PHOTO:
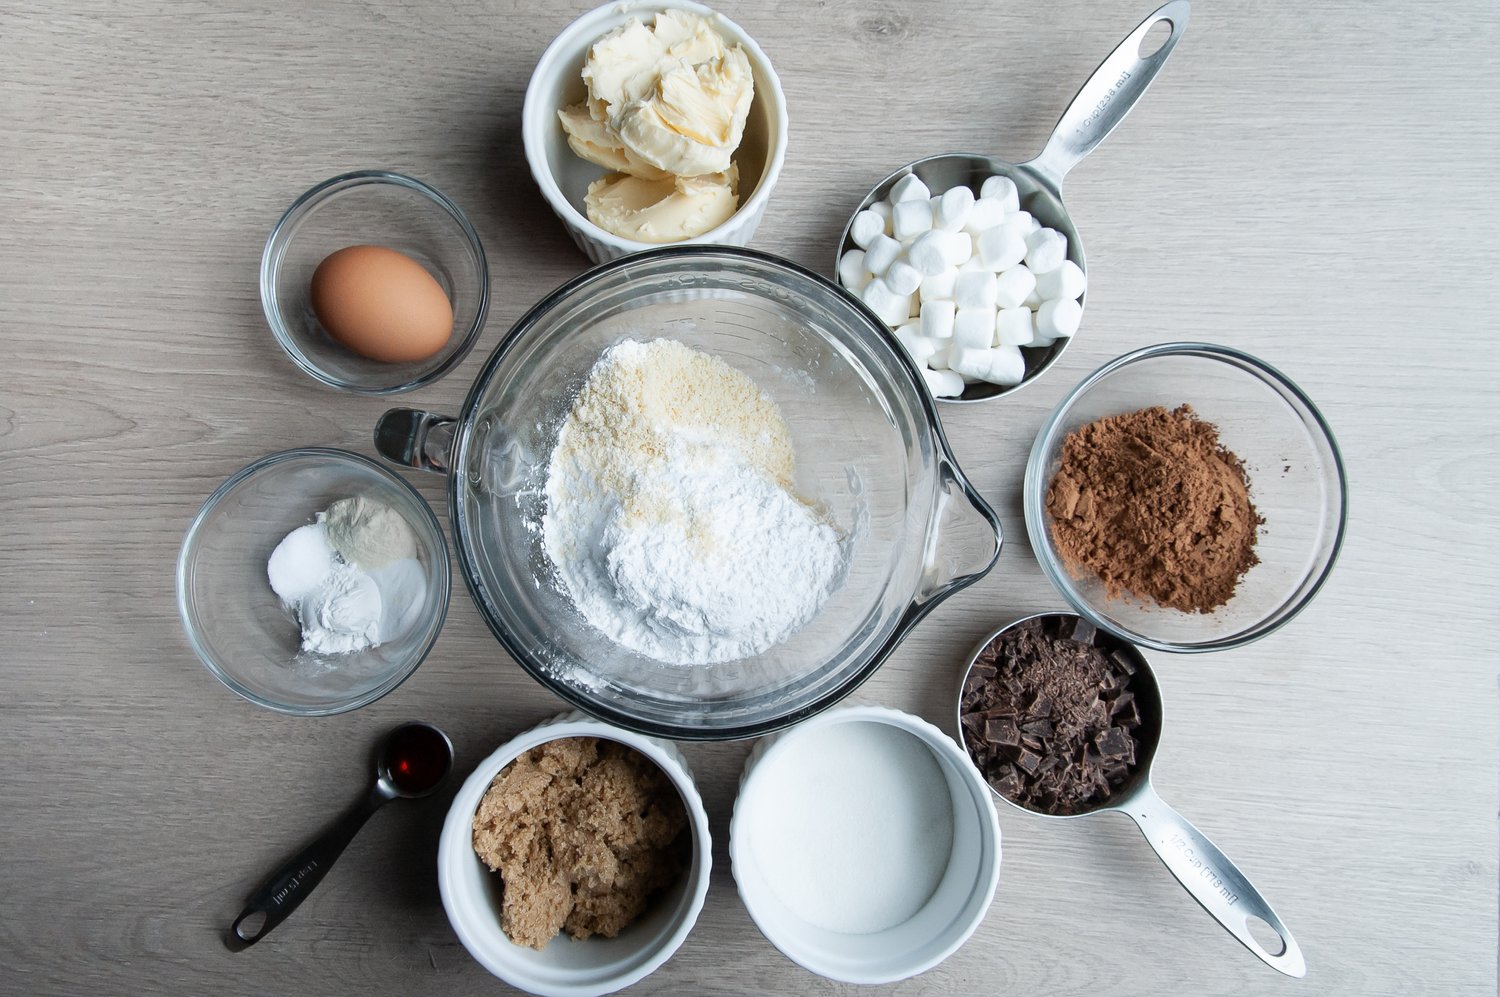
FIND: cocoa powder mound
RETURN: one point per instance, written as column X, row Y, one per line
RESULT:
column 1153, row 504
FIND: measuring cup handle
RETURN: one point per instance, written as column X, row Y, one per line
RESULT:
column 1212, row 879
column 1109, row 94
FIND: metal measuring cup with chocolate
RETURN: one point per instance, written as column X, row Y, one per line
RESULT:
column 1063, row 720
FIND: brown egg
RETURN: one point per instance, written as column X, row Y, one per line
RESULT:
column 381, row 304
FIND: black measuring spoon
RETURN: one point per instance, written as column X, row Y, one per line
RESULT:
column 414, row 760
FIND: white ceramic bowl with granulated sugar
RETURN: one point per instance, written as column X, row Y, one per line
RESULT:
column 567, row 967
column 564, row 178
column 897, row 850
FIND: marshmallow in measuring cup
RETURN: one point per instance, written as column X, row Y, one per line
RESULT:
column 965, row 278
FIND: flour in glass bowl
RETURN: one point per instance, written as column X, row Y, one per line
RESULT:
column 671, row 520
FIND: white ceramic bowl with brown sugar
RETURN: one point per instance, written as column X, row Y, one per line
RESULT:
column 566, row 967
column 564, row 178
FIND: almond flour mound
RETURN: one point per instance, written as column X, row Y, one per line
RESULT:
column 671, row 522
column 641, row 395
column 585, row 833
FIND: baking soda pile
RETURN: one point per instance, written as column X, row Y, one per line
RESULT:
column 965, row 281
column 670, row 517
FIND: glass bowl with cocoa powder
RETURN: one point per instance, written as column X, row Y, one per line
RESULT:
column 1186, row 497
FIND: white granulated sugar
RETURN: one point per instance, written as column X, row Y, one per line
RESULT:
column 670, row 520
column 851, row 826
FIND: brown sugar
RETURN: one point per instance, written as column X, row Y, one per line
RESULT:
column 584, row 833
column 1153, row 504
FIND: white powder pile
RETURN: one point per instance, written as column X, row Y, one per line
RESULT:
column 352, row 578
column 670, row 519
column 851, row 827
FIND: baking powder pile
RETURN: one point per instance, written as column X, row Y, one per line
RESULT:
column 670, row 519
column 352, row 578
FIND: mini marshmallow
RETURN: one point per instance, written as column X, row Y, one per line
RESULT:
column 937, row 319
column 971, row 264
column 929, row 253
column 910, row 219
column 1033, row 300
column 1007, row 366
column 973, row 362
column 1067, row 281
column 974, row 329
column 903, row 278
column 852, row 267
column 865, row 227
column 1012, row 286
column 1059, row 318
column 1003, row 365
column 999, row 249
column 1014, row 327
column 939, row 360
column 1016, row 225
column 939, row 285
column 951, row 211
column 987, row 213
column 884, row 210
column 943, row 383
column 880, row 254
column 909, row 188
column 958, row 248
column 1002, row 189
column 975, row 289
column 1024, row 221
column 918, row 347
column 892, row 308
column 1045, row 250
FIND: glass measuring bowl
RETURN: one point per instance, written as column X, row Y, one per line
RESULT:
column 869, row 448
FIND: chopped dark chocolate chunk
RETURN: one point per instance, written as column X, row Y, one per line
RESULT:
column 1029, row 762
column 1002, row 731
column 1051, row 719
column 1113, row 743
column 1037, row 728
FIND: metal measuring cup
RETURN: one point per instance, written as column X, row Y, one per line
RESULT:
column 1098, row 107
column 1205, row 872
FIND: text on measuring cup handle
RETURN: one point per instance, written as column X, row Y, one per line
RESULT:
column 1102, row 104
column 1199, row 867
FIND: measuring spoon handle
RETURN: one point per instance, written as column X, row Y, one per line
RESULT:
column 1109, row 94
column 1207, row 874
column 281, row 894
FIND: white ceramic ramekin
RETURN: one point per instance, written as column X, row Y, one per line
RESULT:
column 936, row 931
column 567, row 968
column 564, row 178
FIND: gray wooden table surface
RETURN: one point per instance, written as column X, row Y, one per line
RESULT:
column 1314, row 183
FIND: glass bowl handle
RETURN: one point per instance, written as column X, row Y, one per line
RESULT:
column 963, row 542
column 414, row 438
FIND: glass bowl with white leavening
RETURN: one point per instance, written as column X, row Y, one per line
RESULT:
column 701, row 493
column 313, row 581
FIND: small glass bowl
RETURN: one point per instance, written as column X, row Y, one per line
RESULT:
column 1296, row 482
column 372, row 207
column 236, row 623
